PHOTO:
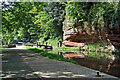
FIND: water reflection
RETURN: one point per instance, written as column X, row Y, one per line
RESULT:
column 71, row 55
column 103, row 62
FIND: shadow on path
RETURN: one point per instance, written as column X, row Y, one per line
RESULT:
column 13, row 65
column 24, row 64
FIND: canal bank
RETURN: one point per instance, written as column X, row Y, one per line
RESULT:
column 48, row 68
column 101, row 61
column 59, row 69
column 45, row 68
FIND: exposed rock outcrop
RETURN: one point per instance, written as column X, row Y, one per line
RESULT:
column 80, row 37
column 114, row 38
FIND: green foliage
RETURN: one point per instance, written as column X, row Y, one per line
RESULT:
column 53, row 42
column 97, row 48
column 15, row 22
column 50, row 20
column 97, row 14
column 43, row 21
column 93, row 47
column 78, row 11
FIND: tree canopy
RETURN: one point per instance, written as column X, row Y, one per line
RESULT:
column 43, row 21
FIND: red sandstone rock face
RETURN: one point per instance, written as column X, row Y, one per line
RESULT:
column 80, row 38
column 68, row 43
column 114, row 38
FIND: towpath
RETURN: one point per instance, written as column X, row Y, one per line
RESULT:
column 22, row 63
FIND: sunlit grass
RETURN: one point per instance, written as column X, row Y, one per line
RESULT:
column 64, row 47
column 91, row 50
column 3, row 46
column 65, row 51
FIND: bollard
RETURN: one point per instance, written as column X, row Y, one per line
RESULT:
column 98, row 74
column 58, row 44
column 37, row 44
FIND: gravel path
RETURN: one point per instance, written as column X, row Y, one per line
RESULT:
column 21, row 63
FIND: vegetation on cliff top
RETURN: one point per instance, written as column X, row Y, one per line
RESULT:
column 43, row 21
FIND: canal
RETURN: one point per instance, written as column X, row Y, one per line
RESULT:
column 103, row 62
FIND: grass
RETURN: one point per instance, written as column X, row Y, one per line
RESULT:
column 64, row 47
column 50, row 55
column 93, row 47
column 20, row 45
column 29, row 47
column 66, row 51
column 97, row 47
column 92, row 50
column 90, row 47
column 3, row 46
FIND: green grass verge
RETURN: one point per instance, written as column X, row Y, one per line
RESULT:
column 97, row 47
column 64, row 47
column 94, row 54
column 3, row 46
column 66, row 51
column 50, row 55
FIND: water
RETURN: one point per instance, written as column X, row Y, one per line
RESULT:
column 104, row 62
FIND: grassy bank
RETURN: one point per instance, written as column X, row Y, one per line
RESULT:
column 50, row 55
column 3, row 46
column 91, row 50
column 98, row 48
column 90, row 47
column 64, row 47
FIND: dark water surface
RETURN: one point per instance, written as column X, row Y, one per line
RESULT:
column 109, row 64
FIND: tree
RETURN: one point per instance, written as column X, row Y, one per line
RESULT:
column 14, row 19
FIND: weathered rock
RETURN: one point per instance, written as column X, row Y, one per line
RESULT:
column 82, row 38
column 79, row 34
column 67, row 43
column 114, row 38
